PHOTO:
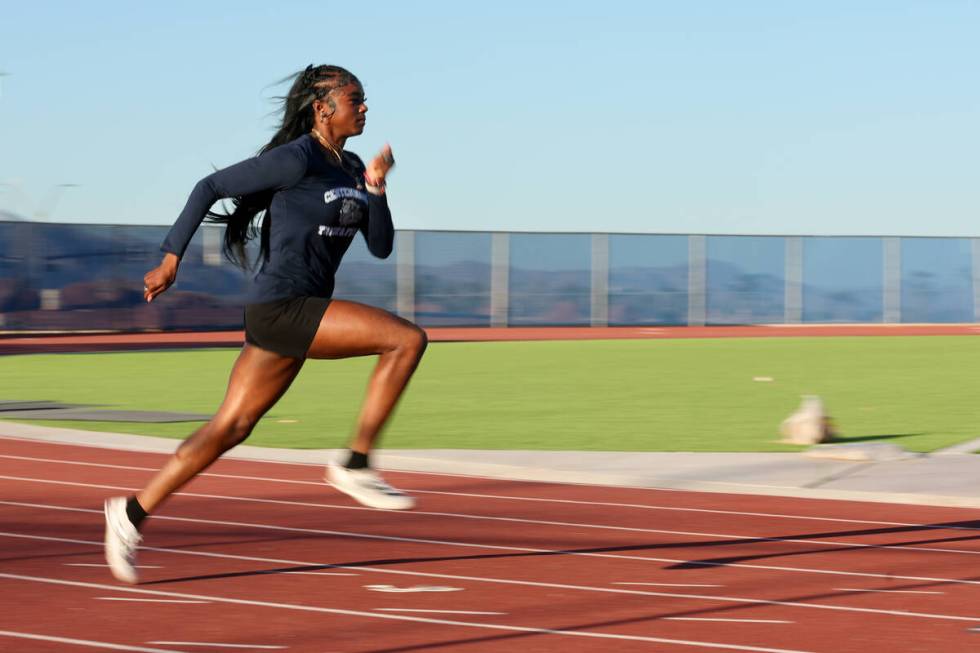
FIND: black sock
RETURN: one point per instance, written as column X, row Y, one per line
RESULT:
column 357, row 460
column 135, row 511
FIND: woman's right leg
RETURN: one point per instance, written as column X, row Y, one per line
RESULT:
column 352, row 329
column 258, row 379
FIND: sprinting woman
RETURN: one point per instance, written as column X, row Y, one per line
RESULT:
column 315, row 197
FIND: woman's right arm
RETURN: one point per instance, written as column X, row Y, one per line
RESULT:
column 278, row 168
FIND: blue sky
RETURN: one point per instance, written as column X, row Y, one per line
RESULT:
column 757, row 117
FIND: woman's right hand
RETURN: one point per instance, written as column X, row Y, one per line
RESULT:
column 161, row 277
column 379, row 166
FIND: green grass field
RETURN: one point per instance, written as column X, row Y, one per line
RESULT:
column 639, row 395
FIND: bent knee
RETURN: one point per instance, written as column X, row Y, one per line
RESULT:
column 239, row 429
column 225, row 433
column 416, row 340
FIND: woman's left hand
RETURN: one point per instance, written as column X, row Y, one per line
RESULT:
column 380, row 165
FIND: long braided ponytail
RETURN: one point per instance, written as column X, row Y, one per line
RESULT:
column 313, row 83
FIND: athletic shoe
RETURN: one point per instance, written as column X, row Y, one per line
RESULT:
column 121, row 540
column 368, row 488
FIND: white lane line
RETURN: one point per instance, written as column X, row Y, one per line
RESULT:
column 85, row 642
column 672, row 584
column 222, row 645
column 519, row 583
column 730, row 621
column 439, row 611
column 400, row 617
column 721, row 536
column 855, row 589
column 414, row 588
column 126, row 598
column 92, row 564
column 317, row 573
column 638, row 506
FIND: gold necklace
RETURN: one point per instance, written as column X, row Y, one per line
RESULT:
column 325, row 143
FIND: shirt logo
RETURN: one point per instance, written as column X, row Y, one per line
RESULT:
column 324, row 230
column 346, row 193
column 353, row 205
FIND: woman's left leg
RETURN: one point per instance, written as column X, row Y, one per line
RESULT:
column 258, row 379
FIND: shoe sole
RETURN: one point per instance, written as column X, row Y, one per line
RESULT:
column 407, row 505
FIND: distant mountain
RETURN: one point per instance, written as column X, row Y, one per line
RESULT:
column 68, row 276
column 11, row 216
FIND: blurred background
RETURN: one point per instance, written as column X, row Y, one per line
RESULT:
column 629, row 163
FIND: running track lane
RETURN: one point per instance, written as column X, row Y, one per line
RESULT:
column 263, row 554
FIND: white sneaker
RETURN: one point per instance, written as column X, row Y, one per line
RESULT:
column 121, row 540
column 368, row 488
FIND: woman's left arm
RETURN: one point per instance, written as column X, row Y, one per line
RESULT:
column 379, row 232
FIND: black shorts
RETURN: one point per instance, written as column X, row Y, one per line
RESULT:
column 285, row 326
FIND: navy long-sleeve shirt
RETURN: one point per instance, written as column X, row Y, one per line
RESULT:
column 316, row 211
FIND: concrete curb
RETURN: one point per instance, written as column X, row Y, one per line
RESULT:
column 948, row 480
column 970, row 446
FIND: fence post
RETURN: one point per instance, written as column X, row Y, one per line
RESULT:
column 211, row 245
column 697, row 277
column 891, row 280
column 793, row 289
column 405, row 274
column 499, row 279
column 600, row 280
column 28, row 251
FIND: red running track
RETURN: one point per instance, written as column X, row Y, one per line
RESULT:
column 262, row 556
